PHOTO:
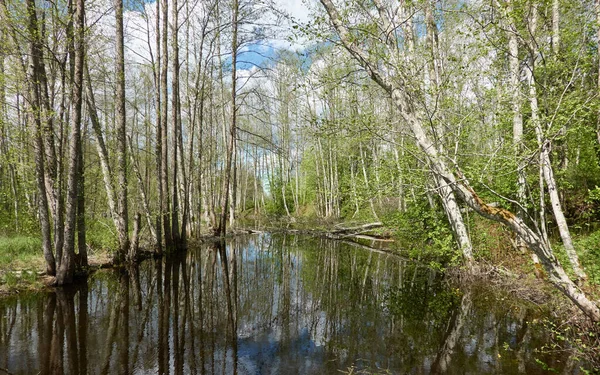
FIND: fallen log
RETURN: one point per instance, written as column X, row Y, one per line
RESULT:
column 364, row 227
column 368, row 237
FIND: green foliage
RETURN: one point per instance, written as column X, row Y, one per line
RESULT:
column 21, row 223
column 580, row 342
column 425, row 232
column 588, row 249
column 588, row 212
column 100, row 236
column 276, row 205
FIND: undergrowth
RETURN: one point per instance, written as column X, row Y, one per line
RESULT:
column 20, row 260
column 19, row 250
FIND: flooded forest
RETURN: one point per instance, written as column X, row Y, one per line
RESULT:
column 299, row 187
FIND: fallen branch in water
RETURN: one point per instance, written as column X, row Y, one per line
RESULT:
column 370, row 238
column 361, row 231
column 364, row 227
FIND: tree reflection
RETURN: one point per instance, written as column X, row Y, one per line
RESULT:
column 268, row 304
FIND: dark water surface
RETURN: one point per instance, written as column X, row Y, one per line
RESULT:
column 270, row 305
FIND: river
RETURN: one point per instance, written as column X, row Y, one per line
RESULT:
column 272, row 304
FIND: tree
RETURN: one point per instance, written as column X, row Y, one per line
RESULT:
column 397, row 86
column 67, row 265
column 164, row 165
column 34, row 82
column 222, row 228
column 122, row 211
column 176, row 122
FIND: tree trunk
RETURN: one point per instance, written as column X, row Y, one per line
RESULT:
column 175, row 118
column 164, row 128
column 135, row 240
column 38, row 114
column 597, row 8
column 546, row 166
column 102, row 150
column 120, row 120
column 401, row 201
column 555, row 26
column 517, row 120
column 455, row 218
column 81, row 235
column 233, row 189
column 44, row 215
column 445, row 192
column 353, row 186
column 67, row 265
column 366, row 179
column 159, row 168
column 221, row 231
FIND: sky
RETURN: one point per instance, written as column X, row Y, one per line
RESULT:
column 251, row 55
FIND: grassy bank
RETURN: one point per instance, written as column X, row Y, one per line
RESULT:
column 21, row 263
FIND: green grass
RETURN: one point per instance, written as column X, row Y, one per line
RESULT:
column 19, row 250
column 588, row 250
column 20, row 259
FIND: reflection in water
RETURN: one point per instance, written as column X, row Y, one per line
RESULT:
column 268, row 304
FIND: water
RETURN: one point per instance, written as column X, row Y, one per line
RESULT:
column 271, row 305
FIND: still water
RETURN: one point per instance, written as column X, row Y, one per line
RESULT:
column 271, row 304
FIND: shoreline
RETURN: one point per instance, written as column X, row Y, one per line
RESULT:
column 35, row 281
column 517, row 284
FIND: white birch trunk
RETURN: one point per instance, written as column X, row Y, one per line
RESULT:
column 546, row 166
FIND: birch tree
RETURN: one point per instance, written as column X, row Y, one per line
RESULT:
column 396, row 82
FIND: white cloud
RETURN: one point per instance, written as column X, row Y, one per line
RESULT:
column 297, row 9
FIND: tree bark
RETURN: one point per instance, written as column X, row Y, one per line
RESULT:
column 67, row 265
column 121, row 131
column 366, row 179
column 34, row 81
column 555, row 26
column 132, row 253
column 445, row 192
column 455, row 218
column 81, row 230
column 159, row 168
column 175, row 121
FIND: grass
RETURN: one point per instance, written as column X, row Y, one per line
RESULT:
column 20, row 259
column 588, row 249
column 20, row 252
